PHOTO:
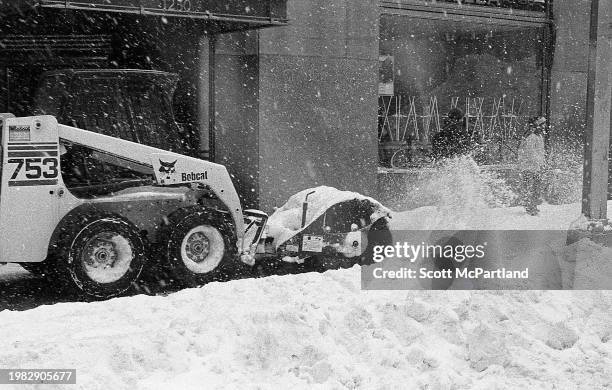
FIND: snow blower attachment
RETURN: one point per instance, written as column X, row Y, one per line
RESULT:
column 337, row 228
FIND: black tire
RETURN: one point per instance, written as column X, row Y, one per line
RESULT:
column 401, row 159
column 379, row 234
column 200, row 246
column 442, row 263
column 88, row 241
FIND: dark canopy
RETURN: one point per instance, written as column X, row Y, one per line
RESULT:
column 226, row 15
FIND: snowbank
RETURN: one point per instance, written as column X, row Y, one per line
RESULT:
column 551, row 217
column 323, row 331
column 10, row 272
column 320, row 331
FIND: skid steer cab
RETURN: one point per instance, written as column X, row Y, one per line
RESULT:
column 89, row 210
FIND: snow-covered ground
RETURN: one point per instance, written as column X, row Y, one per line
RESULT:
column 551, row 217
column 10, row 272
column 322, row 331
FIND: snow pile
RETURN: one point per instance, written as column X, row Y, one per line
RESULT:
column 286, row 221
column 586, row 265
column 10, row 272
column 551, row 217
column 320, row 331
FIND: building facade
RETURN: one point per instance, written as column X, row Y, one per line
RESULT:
column 499, row 62
column 307, row 116
column 290, row 95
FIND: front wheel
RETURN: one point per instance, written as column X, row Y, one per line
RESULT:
column 101, row 255
column 199, row 246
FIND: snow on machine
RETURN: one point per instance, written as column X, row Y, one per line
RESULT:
column 90, row 210
column 327, row 228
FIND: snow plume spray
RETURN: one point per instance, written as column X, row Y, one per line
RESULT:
column 457, row 184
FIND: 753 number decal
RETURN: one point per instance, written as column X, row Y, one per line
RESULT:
column 35, row 168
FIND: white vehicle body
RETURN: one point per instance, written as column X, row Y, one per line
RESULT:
column 34, row 197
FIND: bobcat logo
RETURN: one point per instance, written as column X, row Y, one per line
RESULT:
column 167, row 168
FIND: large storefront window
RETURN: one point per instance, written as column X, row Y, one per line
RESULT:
column 492, row 72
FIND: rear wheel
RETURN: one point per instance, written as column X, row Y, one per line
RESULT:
column 200, row 246
column 101, row 255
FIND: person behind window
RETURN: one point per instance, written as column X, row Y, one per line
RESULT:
column 530, row 164
column 454, row 139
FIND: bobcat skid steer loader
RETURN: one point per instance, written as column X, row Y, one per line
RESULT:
column 86, row 209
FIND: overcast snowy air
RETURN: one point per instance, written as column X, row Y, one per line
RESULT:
column 305, row 194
